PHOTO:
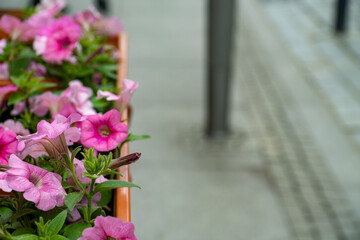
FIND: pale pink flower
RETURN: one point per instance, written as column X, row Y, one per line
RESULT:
column 108, row 26
column 56, row 41
column 104, row 133
column 13, row 26
column 39, row 69
column 40, row 105
column 39, row 186
column 3, row 183
column 4, row 72
column 16, row 127
column 5, row 91
column 8, row 144
column 109, row 227
column 51, row 7
column 19, row 107
column 124, row 98
column 80, row 97
column 52, row 138
column 2, row 45
column 35, row 23
column 87, row 18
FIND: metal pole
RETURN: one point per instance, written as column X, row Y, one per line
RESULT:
column 341, row 16
column 221, row 15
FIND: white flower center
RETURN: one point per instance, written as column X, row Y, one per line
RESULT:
column 104, row 131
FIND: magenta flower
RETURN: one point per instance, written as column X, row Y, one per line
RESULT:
column 8, row 144
column 56, row 41
column 39, row 186
column 16, row 127
column 2, row 45
column 4, row 72
column 108, row 228
column 80, row 97
column 104, row 133
column 124, row 98
column 51, row 139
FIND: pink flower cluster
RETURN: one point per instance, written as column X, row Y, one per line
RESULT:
column 92, row 19
column 109, row 228
column 122, row 100
column 38, row 185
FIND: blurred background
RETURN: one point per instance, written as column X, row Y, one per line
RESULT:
column 289, row 166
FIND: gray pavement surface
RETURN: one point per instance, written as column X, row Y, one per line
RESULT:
column 290, row 170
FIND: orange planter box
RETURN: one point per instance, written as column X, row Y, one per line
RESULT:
column 122, row 195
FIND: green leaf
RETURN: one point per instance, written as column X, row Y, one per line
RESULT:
column 16, row 97
column 5, row 214
column 57, row 223
column 20, row 231
column 41, row 86
column 74, row 231
column 132, row 137
column 89, row 166
column 59, row 237
column 16, row 80
column 111, row 184
column 23, row 212
column 96, row 211
column 72, row 199
column 26, row 237
column 19, row 65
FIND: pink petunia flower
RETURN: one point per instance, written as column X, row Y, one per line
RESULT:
column 2, row 45
column 16, row 127
column 104, row 133
column 39, row 186
column 5, row 91
column 8, row 144
column 3, row 183
column 57, row 41
column 80, row 97
column 14, row 27
column 124, row 98
column 108, row 228
column 40, row 105
column 35, row 23
column 4, row 71
column 51, row 139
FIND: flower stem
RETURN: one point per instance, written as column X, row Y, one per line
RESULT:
column 89, row 197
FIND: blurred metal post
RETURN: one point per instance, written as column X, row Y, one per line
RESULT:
column 341, row 15
column 221, row 14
